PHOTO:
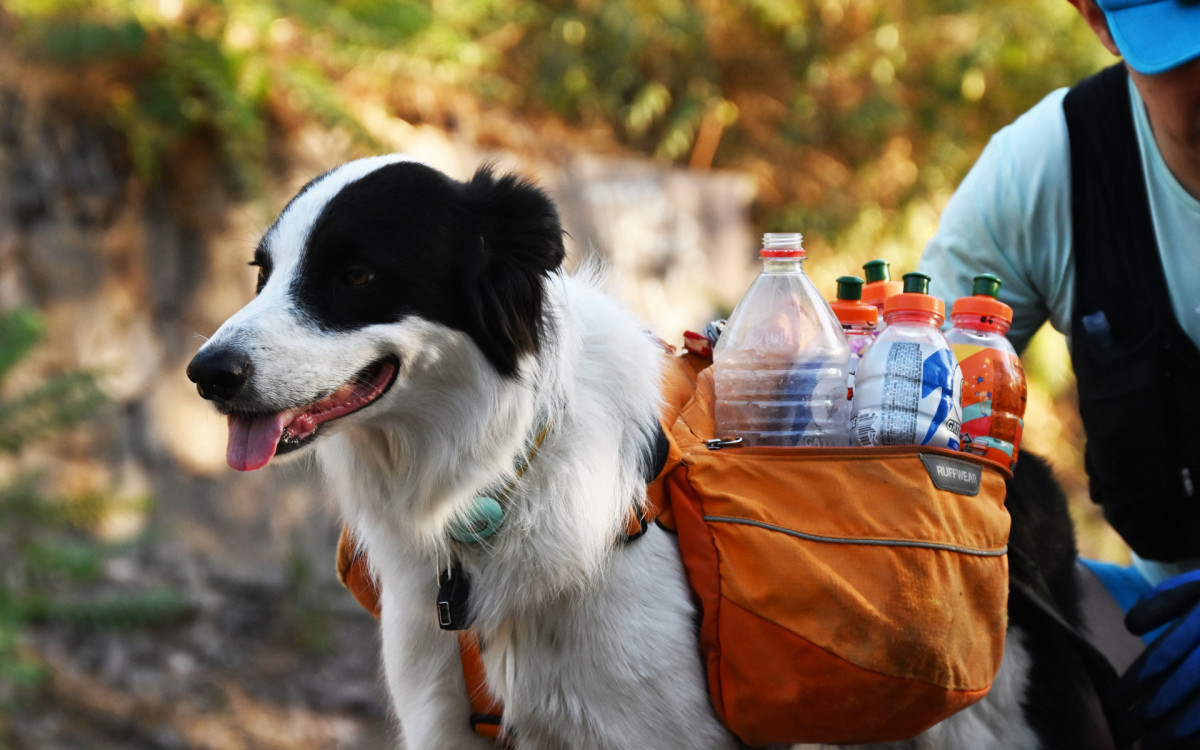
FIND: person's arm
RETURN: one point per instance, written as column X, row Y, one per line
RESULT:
column 1011, row 217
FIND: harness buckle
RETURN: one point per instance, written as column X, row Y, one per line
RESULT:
column 454, row 592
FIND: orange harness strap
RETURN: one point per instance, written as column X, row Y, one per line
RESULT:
column 355, row 574
column 486, row 710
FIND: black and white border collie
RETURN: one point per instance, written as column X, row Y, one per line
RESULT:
column 418, row 334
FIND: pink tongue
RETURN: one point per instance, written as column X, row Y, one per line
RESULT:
column 252, row 440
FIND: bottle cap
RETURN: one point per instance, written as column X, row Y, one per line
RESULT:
column 877, row 270
column 849, row 307
column 916, row 283
column 879, row 286
column 849, row 288
column 782, row 245
column 983, row 301
column 915, row 298
column 986, row 283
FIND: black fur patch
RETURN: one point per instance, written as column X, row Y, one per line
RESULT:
column 472, row 256
column 1059, row 700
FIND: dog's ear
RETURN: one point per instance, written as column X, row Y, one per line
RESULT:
column 519, row 243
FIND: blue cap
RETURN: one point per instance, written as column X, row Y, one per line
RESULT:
column 1154, row 35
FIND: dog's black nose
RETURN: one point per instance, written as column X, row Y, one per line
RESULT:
column 219, row 373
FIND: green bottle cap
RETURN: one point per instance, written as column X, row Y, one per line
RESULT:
column 916, row 282
column 986, row 284
column 849, row 288
column 877, row 270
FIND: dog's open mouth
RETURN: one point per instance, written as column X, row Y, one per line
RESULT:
column 254, row 439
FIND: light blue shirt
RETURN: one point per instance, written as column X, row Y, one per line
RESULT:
column 1011, row 216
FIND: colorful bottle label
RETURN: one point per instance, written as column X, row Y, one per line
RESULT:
column 907, row 394
column 993, row 402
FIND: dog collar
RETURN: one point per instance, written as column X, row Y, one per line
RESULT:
column 476, row 524
column 483, row 519
column 485, row 515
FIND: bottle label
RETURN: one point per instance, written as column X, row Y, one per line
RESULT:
column 993, row 402
column 908, row 396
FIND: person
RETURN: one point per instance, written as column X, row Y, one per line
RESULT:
column 1088, row 207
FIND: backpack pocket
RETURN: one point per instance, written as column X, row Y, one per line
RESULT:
column 848, row 594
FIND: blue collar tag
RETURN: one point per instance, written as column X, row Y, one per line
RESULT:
column 479, row 523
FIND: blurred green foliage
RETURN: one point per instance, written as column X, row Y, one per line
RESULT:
column 836, row 107
column 49, row 562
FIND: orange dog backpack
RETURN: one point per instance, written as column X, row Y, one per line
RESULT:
column 847, row 595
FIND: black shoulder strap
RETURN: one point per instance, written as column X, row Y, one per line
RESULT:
column 1117, row 268
column 1135, row 366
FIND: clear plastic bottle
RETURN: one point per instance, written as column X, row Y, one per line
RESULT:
column 994, row 390
column 878, row 287
column 781, row 362
column 908, row 387
column 858, row 320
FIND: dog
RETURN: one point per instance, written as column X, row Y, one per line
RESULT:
column 418, row 334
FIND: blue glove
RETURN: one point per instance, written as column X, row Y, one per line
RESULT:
column 1158, row 698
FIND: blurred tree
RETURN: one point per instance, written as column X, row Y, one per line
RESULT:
column 838, row 108
column 48, row 563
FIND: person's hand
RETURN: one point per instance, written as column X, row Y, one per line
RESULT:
column 1158, row 698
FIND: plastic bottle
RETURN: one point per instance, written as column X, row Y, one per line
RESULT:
column 858, row 321
column 879, row 287
column 908, row 385
column 780, row 363
column 994, row 392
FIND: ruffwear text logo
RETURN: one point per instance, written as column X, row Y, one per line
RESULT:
column 952, row 474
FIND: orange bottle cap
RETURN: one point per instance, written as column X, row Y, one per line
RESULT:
column 914, row 302
column 849, row 307
column 983, row 302
column 855, row 312
column 982, row 307
column 915, row 298
column 875, row 292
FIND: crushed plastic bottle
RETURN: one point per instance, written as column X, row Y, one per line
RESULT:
column 780, row 364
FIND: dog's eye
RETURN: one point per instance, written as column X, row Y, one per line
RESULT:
column 263, row 274
column 357, row 276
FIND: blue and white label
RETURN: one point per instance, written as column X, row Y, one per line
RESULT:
column 907, row 393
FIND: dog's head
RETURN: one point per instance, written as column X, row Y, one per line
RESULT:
column 360, row 265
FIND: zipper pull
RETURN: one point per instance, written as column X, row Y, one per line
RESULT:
column 716, row 444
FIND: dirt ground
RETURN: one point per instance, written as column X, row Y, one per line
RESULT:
column 238, row 667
